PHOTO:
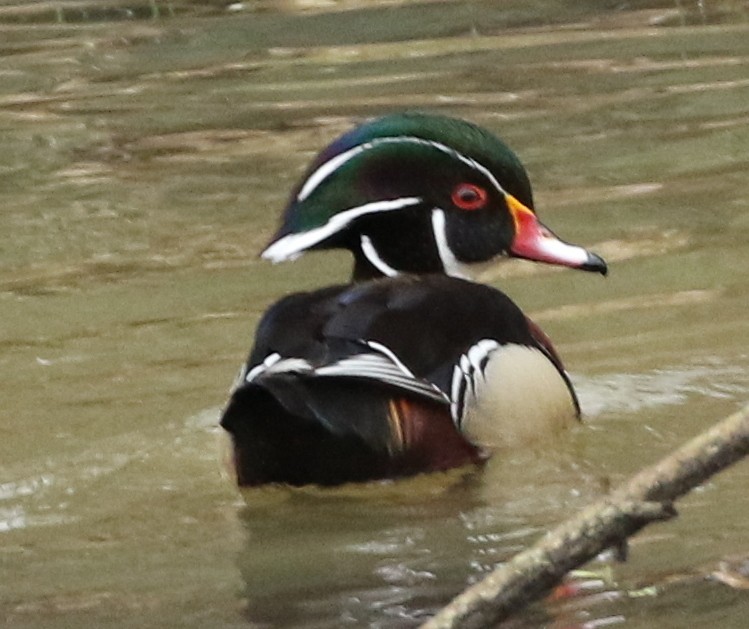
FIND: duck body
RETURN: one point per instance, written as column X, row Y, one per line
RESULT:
column 411, row 368
column 388, row 378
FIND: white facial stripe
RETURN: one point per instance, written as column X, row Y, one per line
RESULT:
column 329, row 167
column 334, row 163
column 374, row 258
column 449, row 262
column 293, row 245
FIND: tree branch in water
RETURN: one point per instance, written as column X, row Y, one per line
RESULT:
column 647, row 497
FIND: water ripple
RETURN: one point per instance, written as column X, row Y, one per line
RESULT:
column 632, row 392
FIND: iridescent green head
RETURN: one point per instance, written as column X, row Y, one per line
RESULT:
column 419, row 193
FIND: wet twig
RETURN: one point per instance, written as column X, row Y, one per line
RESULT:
column 647, row 497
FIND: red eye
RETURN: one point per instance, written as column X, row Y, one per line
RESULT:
column 468, row 196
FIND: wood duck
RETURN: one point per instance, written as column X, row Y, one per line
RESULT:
column 412, row 367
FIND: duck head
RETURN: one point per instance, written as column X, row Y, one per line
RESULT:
column 419, row 193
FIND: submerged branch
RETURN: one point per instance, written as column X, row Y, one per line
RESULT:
column 647, row 497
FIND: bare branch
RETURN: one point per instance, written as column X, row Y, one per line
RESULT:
column 647, row 497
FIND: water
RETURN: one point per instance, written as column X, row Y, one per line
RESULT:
column 147, row 151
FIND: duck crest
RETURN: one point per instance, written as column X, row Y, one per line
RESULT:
column 441, row 132
column 416, row 369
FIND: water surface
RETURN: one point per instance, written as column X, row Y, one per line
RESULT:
column 147, row 151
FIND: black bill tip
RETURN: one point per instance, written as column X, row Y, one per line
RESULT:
column 596, row 264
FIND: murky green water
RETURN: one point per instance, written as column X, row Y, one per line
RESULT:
column 146, row 152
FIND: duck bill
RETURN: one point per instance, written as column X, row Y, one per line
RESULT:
column 534, row 241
